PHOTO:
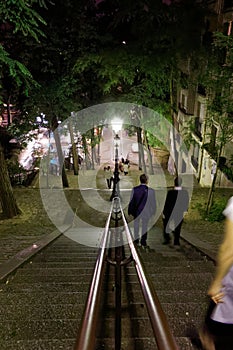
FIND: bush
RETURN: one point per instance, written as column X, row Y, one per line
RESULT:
column 228, row 172
column 16, row 172
column 216, row 210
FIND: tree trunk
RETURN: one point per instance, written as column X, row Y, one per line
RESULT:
column 202, row 154
column 85, row 148
column 92, row 149
column 142, row 165
column 138, row 130
column 211, row 193
column 98, row 146
column 212, row 188
column 92, row 158
column 151, row 170
column 62, row 171
column 7, row 200
column 8, row 108
column 171, row 89
column 74, row 151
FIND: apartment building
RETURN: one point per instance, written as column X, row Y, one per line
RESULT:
column 192, row 108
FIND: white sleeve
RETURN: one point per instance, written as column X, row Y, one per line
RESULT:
column 228, row 211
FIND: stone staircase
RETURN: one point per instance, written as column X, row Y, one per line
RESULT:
column 42, row 303
column 181, row 279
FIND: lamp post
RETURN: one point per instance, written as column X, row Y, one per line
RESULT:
column 116, row 126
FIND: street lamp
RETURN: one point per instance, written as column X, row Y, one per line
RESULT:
column 116, row 126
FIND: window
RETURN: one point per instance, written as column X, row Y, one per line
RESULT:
column 183, row 102
column 227, row 4
column 213, row 135
column 195, row 156
column 199, row 119
column 230, row 116
column 201, row 90
column 198, row 127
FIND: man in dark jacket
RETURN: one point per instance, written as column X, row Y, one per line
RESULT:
column 142, row 206
column 176, row 205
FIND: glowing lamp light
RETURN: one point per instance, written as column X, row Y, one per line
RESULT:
column 13, row 141
column 116, row 125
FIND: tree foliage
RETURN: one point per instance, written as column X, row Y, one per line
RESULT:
column 218, row 81
column 18, row 19
column 22, row 17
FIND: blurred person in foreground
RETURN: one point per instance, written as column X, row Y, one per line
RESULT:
column 142, row 207
column 217, row 332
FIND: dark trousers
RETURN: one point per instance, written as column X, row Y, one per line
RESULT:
column 167, row 231
column 221, row 332
column 144, row 222
column 109, row 182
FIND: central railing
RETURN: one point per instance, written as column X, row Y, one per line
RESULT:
column 86, row 339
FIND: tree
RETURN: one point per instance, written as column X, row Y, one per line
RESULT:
column 139, row 60
column 69, row 32
column 218, row 81
column 9, row 205
column 14, row 75
column 73, row 146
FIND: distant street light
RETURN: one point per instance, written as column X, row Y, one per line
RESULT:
column 116, row 126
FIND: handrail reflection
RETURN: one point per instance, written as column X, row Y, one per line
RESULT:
column 86, row 336
column 161, row 329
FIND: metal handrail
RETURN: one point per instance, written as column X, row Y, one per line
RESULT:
column 159, row 323
column 87, row 331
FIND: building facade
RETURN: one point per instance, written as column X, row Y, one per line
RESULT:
column 192, row 110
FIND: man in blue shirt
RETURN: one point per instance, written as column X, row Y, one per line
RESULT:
column 142, row 206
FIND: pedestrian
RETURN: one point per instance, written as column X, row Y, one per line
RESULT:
column 108, row 176
column 54, row 165
column 142, row 207
column 80, row 161
column 176, row 204
column 126, row 168
column 121, row 165
column 217, row 332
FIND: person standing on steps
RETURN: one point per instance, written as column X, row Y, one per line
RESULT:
column 126, row 168
column 142, row 207
column 121, row 165
column 176, row 204
column 217, row 331
column 108, row 176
